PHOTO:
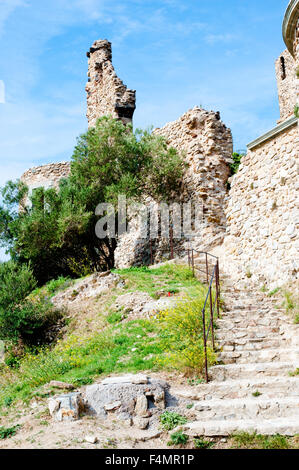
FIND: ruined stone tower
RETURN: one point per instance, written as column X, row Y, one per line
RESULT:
column 106, row 93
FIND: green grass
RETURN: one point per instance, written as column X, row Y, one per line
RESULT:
column 246, row 440
column 202, row 444
column 80, row 362
column 52, row 287
column 273, row 292
column 117, row 348
column 168, row 278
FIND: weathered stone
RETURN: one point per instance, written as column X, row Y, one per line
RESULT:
column 141, row 405
column 66, row 407
column 113, row 406
column 62, row 385
column 141, row 423
column 91, row 439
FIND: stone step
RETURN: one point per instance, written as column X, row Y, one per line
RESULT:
column 250, row 408
column 243, row 371
column 263, row 355
column 247, row 344
column 250, row 332
column 269, row 387
column 283, row 426
column 232, row 323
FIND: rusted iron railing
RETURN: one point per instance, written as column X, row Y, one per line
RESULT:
column 212, row 279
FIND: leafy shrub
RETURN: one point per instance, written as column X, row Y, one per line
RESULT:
column 178, row 438
column 16, row 283
column 181, row 337
column 237, row 157
column 8, row 432
column 170, row 419
column 29, row 321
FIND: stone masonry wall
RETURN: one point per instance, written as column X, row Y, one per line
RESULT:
column 287, row 84
column 262, row 211
column 46, row 176
column 106, row 93
column 207, row 147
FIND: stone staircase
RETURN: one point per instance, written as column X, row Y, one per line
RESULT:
column 251, row 389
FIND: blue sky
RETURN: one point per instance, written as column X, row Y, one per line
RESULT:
column 177, row 54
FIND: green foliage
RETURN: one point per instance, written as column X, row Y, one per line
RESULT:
column 57, row 234
column 80, row 360
column 202, row 444
column 256, row 394
column 273, row 292
column 237, row 157
column 258, row 441
column 114, row 317
column 296, row 110
column 181, row 336
column 170, row 420
column 16, row 282
column 29, row 321
column 5, row 433
column 178, row 438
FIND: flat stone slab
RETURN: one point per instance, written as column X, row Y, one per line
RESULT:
column 126, row 379
column 124, row 391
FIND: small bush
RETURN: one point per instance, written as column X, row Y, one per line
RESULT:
column 16, row 283
column 170, row 420
column 29, row 321
column 181, row 337
column 178, row 438
column 5, row 433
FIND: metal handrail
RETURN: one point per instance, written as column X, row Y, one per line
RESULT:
column 211, row 278
column 214, row 278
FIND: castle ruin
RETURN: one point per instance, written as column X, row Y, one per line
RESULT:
column 258, row 217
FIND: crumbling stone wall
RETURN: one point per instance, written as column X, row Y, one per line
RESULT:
column 287, row 84
column 207, row 147
column 46, row 176
column 106, row 93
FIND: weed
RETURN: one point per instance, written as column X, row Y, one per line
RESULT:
column 273, row 292
column 202, row 444
column 170, row 419
column 115, row 317
column 256, row 394
column 178, row 438
column 257, row 441
column 5, row 433
column 189, row 406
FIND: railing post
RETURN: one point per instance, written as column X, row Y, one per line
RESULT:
column 151, row 248
column 171, row 242
column 193, row 270
column 189, row 263
column 212, row 316
column 205, row 344
column 207, row 268
column 218, row 288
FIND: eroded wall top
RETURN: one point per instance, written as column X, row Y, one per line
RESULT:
column 106, row 93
